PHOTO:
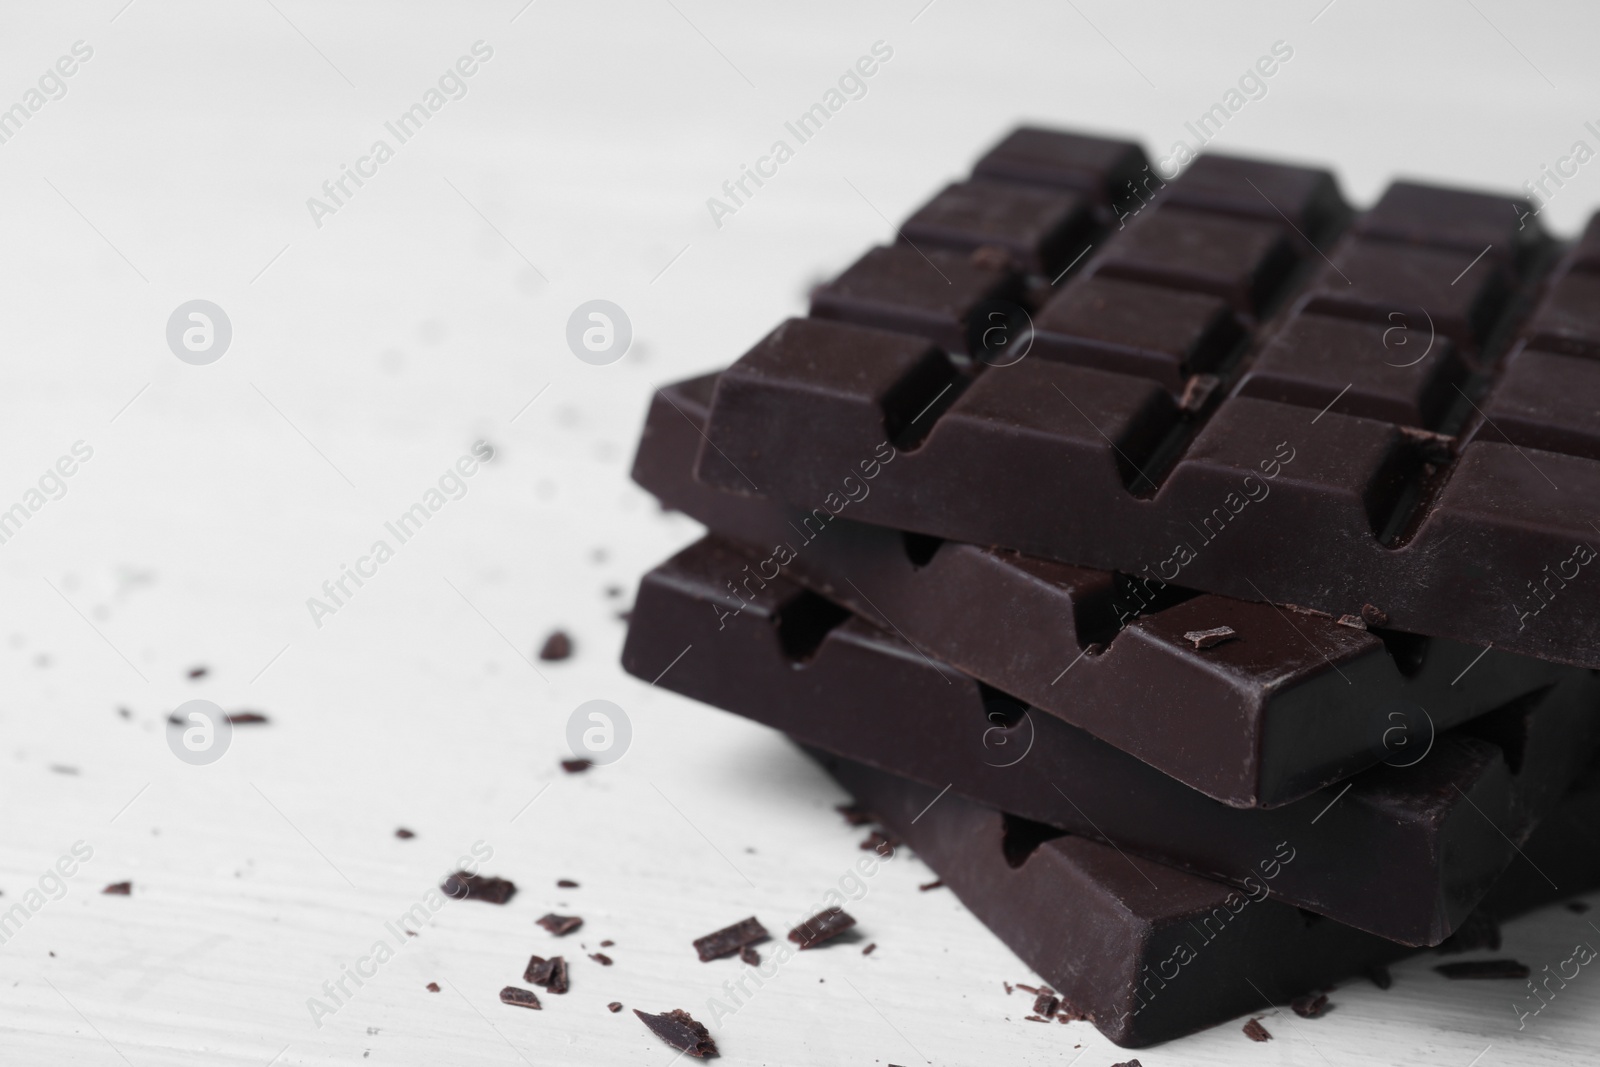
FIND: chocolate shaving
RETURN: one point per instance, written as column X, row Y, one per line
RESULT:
column 601, row 958
column 1484, row 969
column 247, row 718
column 118, row 889
column 559, row 925
column 1046, row 1003
column 1255, row 1031
column 464, row 886
column 1210, row 638
column 1310, row 1007
column 576, row 766
column 520, row 998
column 678, row 1029
column 937, row 883
column 567, row 883
column 557, row 647
column 824, row 926
column 550, row 973
column 730, row 939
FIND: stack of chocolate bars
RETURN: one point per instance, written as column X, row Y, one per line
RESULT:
column 1193, row 571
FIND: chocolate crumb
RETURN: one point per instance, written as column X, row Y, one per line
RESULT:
column 566, row 883
column 607, row 943
column 1197, row 390
column 730, row 939
column 464, row 886
column 614, row 1007
column 557, row 647
column 750, row 956
column 1577, row 907
column 576, row 766
column 197, row 672
column 1124, row 1063
column 1301, row 609
column 1310, row 1007
column 432, row 987
column 118, row 889
column 1046, row 1003
column 1373, row 616
column 404, row 834
column 1355, row 622
column 1210, row 638
column 1484, row 969
column 1035, row 1018
column 1378, row 975
column 520, row 998
column 601, row 958
column 991, row 257
column 1008, row 987
column 125, row 713
column 560, row 925
column 824, row 926
column 937, row 883
column 1035, row 990
column 1255, row 1031
column 678, row 1029
column 868, row 950
column 853, row 814
column 247, row 718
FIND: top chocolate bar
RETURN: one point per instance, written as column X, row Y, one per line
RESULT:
column 1228, row 382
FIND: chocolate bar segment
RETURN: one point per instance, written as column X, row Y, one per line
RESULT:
column 1148, row 953
column 929, row 293
column 1104, row 169
column 1244, row 262
column 1040, row 229
column 1294, row 703
column 1086, row 465
column 1404, row 852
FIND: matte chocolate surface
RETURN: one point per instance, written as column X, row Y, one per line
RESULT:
column 1292, row 703
column 1405, row 852
column 1346, row 451
column 1150, row 953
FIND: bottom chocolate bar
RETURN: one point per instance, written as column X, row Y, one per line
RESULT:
column 1148, row 952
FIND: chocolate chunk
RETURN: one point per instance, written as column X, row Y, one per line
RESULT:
column 614, row 1007
column 403, row 834
column 566, row 883
column 559, row 925
column 118, row 889
column 1046, row 1003
column 1310, row 1007
column 750, row 956
column 1484, row 969
column 519, row 998
column 550, row 973
column 601, row 958
column 678, row 1029
column 1210, row 638
column 1255, row 1031
column 730, row 939
column 464, row 886
column 432, row 987
column 557, row 647
column 824, row 926
column 576, row 766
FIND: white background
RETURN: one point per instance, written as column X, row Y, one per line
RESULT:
column 371, row 351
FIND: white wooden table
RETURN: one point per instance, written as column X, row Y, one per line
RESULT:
column 427, row 313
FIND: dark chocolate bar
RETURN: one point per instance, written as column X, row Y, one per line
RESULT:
column 1394, row 410
column 1402, row 852
column 1147, row 952
column 1290, row 703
